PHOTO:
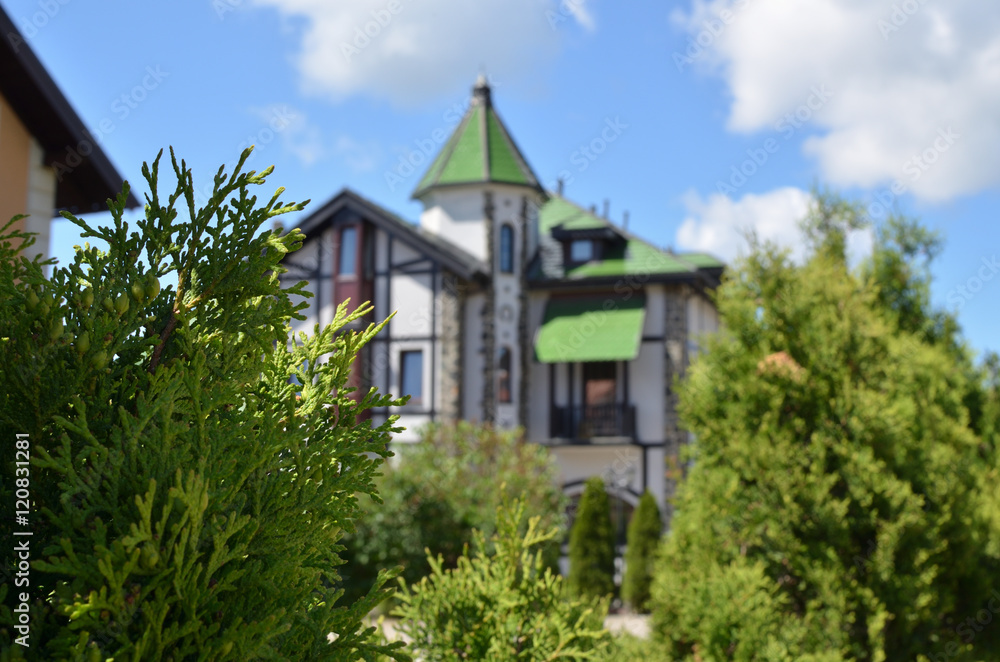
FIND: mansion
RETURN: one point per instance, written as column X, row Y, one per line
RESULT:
column 517, row 307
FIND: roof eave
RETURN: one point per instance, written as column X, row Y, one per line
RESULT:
column 447, row 254
column 48, row 115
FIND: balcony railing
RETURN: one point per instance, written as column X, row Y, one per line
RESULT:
column 590, row 421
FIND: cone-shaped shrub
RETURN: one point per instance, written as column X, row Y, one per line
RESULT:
column 592, row 544
column 188, row 492
column 643, row 538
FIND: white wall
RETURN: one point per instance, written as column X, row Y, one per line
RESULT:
column 537, row 425
column 646, row 390
column 578, row 463
column 41, row 199
column 457, row 215
column 472, row 379
column 655, row 320
column 703, row 319
column 411, row 299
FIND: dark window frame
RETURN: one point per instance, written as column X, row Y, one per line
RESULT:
column 506, row 248
column 417, row 398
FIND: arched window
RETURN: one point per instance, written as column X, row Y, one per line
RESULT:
column 503, row 372
column 506, row 248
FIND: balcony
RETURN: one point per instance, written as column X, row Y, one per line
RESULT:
column 591, row 422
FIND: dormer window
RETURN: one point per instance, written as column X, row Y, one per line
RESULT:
column 581, row 250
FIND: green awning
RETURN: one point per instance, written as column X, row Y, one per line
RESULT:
column 599, row 328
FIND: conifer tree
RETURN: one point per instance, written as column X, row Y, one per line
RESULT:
column 642, row 541
column 502, row 604
column 192, row 466
column 592, row 544
column 834, row 507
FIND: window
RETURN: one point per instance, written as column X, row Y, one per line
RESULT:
column 581, row 250
column 599, row 383
column 411, row 377
column 506, row 249
column 503, row 371
column 348, row 251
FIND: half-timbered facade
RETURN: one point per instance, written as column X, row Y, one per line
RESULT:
column 514, row 306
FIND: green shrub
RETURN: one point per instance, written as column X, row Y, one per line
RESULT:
column 440, row 489
column 592, row 544
column 189, row 497
column 834, row 510
column 502, row 604
column 643, row 539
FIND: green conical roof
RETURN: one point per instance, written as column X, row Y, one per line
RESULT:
column 480, row 150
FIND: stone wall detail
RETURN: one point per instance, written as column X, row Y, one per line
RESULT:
column 453, row 294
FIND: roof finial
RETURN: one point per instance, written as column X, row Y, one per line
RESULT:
column 481, row 90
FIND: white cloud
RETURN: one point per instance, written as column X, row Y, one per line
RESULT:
column 900, row 71
column 578, row 9
column 718, row 224
column 410, row 51
column 292, row 130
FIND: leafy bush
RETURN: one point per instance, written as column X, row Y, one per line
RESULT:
column 440, row 489
column 834, row 508
column 502, row 604
column 189, row 496
column 643, row 539
column 592, row 544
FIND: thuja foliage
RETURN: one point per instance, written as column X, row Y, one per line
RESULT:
column 592, row 544
column 501, row 603
column 437, row 491
column 834, row 509
column 189, row 495
column 643, row 539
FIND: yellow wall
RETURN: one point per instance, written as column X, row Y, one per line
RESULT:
column 27, row 185
column 15, row 155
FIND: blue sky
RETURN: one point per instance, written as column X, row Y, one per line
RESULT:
column 727, row 112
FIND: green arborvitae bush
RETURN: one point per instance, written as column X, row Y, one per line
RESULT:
column 592, row 544
column 437, row 491
column 643, row 540
column 189, row 496
column 835, row 506
column 501, row 603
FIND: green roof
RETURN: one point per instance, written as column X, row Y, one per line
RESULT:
column 591, row 329
column 629, row 256
column 480, row 150
column 561, row 212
